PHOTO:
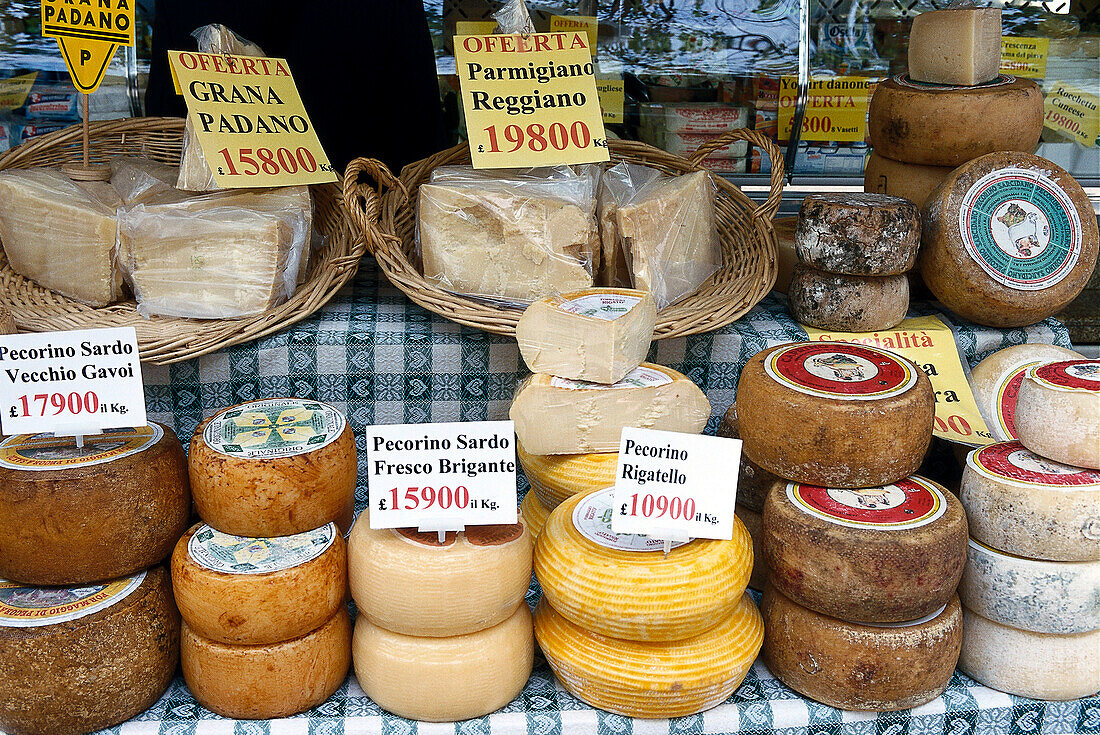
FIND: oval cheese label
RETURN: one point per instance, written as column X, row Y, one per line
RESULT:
column 592, row 518
column 840, row 370
column 605, row 306
column 910, row 503
column 905, row 80
column 1021, row 228
column 639, row 377
column 228, row 554
column 281, row 427
column 1069, row 375
column 1011, row 461
column 1006, row 393
column 23, row 606
column 48, row 452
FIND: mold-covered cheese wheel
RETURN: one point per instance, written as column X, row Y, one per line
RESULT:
column 858, row 234
column 847, row 303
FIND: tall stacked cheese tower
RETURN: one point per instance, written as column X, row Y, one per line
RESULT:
column 262, row 583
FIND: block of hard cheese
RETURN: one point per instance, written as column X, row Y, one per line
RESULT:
column 598, row 334
column 561, row 416
column 61, row 234
column 955, row 46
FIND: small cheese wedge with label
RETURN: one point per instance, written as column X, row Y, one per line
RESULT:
column 955, row 46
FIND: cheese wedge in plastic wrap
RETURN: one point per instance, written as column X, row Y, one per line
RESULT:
column 617, row 182
column 61, row 234
column 140, row 180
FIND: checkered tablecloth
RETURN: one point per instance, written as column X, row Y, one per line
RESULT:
column 381, row 359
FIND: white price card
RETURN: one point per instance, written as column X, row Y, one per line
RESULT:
column 675, row 486
column 77, row 382
column 442, row 477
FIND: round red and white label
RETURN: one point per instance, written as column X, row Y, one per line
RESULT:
column 1011, row 461
column 1070, row 375
column 839, row 370
column 910, row 503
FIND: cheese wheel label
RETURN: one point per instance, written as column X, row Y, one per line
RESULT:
column 592, row 518
column 841, row 371
column 228, row 554
column 910, row 503
column 1070, row 375
column 639, row 377
column 605, row 306
column 1021, row 228
column 23, row 606
column 1011, row 461
column 1006, row 394
column 282, row 427
column 905, row 80
column 48, row 452
column 909, row 623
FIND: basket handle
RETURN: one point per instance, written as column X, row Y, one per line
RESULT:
column 364, row 199
column 770, row 206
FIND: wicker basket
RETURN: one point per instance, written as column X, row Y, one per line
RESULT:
column 748, row 243
column 166, row 339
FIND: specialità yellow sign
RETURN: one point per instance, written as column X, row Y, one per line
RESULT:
column 88, row 32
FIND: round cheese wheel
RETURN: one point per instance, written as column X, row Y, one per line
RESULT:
column 942, row 125
column 78, row 659
column 754, row 524
column 1060, row 597
column 405, row 581
column 107, row 510
column 533, row 514
column 855, row 666
column 847, row 303
column 445, row 679
column 753, row 481
column 649, row 679
column 835, row 414
column 1009, row 239
column 1024, row 504
column 250, row 591
column 872, row 555
column 1058, row 412
column 268, row 681
column 996, row 382
column 858, row 234
column 1034, row 665
column 624, row 586
column 558, row 477
column 912, row 181
column 273, row 468
column 785, row 227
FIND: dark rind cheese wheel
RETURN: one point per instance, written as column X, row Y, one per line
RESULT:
column 1009, row 240
column 861, row 667
column 942, row 125
column 75, row 516
column 109, row 656
column 875, row 555
column 847, row 303
column 274, row 468
column 753, row 481
column 858, row 234
column 912, row 181
column 835, row 414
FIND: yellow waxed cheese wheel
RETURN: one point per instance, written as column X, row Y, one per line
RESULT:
column 268, row 681
column 250, row 591
column 274, row 468
column 558, row 477
column 624, row 586
column 1058, row 412
column 444, row 679
column 533, row 514
column 652, row 679
column 406, row 582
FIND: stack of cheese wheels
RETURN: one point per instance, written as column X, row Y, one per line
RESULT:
column 854, row 252
column 84, row 532
column 444, row 632
column 753, row 483
column 637, row 632
column 1031, row 591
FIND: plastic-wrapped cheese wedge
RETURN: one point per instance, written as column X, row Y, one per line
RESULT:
column 624, row 586
column 652, row 679
column 1058, row 412
column 558, row 477
column 560, row 416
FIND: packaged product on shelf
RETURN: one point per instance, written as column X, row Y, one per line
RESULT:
column 724, row 166
column 53, row 102
column 703, row 118
column 685, row 144
column 955, row 45
column 20, row 129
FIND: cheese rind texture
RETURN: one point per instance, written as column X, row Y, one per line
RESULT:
column 533, row 514
column 955, row 46
column 912, row 181
column 785, row 228
column 1061, row 424
column 753, row 481
column 847, row 303
column 555, row 478
column 754, row 524
column 858, row 234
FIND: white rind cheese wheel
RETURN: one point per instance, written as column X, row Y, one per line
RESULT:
column 444, row 679
column 268, row 681
column 754, row 524
column 91, row 657
column 753, row 481
column 1024, row 504
column 646, row 679
column 405, row 581
column 855, row 666
column 558, row 477
column 559, row 416
column 75, row 516
column 912, row 181
column 624, row 586
column 941, row 125
column 1059, row 597
column 871, row 555
column 858, row 234
column 835, row 414
column 996, row 382
column 250, row 591
column 274, row 468
column 1009, row 240
column 1033, row 665
column 1058, row 412
column 533, row 515
column 847, row 303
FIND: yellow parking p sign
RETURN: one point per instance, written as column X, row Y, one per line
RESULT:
column 88, row 32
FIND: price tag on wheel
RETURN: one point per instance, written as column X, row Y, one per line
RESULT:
column 675, row 486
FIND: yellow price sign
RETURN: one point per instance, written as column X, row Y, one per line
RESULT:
column 572, row 23
column 836, row 109
column 612, row 91
column 14, row 90
column 88, row 35
column 1024, row 57
column 1073, row 112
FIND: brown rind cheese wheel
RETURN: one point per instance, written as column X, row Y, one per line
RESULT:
column 753, row 481
column 754, row 524
column 876, row 555
column 912, row 181
column 858, row 234
column 847, row 303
